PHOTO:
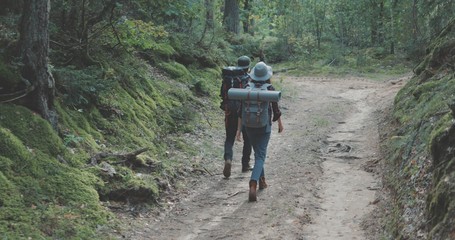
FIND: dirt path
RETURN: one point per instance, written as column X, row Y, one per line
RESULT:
column 318, row 188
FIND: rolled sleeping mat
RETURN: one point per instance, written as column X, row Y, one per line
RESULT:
column 246, row 94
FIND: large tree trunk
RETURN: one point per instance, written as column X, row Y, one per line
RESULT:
column 231, row 17
column 34, row 49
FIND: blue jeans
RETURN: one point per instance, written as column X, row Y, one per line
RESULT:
column 259, row 139
column 231, row 122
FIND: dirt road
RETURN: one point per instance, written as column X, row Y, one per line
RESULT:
column 318, row 186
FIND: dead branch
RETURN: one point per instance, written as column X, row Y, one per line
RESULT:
column 127, row 158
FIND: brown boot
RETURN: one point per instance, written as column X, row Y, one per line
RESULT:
column 262, row 183
column 227, row 168
column 252, row 196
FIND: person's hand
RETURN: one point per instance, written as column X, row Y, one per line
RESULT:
column 238, row 135
column 280, row 127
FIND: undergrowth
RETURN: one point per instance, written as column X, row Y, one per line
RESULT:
column 359, row 63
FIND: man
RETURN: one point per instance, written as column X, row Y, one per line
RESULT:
column 231, row 124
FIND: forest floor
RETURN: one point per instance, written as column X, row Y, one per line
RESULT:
column 323, row 173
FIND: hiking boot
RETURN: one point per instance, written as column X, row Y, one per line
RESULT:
column 262, row 183
column 227, row 168
column 246, row 168
column 252, row 195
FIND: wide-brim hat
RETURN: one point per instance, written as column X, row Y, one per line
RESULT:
column 261, row 72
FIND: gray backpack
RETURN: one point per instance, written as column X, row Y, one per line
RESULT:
column 255, row 109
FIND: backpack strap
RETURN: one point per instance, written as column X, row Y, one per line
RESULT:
column 248, row 106
column 258, row 113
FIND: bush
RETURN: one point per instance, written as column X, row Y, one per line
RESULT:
column 81, row 88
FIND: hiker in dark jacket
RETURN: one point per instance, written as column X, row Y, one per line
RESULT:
column 231, row 129
column 259, row 137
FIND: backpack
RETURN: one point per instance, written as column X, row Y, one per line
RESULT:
column 233, row 77
column 255, row 111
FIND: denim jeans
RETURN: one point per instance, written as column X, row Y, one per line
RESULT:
column 231, row 122
column 259, row 139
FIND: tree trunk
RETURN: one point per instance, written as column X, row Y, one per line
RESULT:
column 393, row 9
column 381, row 22
column 318, row 33
column 231, row 17
column 415, row 20
column 209, row 15
column 34, row 49
column 374, row 31
column 209, row 19
column 246, row 20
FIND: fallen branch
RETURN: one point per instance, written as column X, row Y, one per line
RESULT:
column 130, row 157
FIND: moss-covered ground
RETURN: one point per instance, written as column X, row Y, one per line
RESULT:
column 419, row 165
column 43, row 191
column 50, row 187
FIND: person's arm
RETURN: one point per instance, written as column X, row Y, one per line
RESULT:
column 276, row 112
column 238, row 135
column 280, row 126
column 222, row 103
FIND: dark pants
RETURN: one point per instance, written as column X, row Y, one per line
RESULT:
column 231, row 122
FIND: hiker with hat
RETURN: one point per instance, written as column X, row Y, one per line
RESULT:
column 231, row 126
column 259, row 136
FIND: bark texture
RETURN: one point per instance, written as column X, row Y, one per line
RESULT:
column 231, row 18
column 34, row 43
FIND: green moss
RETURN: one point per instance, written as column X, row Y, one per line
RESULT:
column 440, row 199
column 424, row 118
column 9, row 194
column 39, row 196
column 57, row 195
column 8, row 77
column 424, row 88
column 126, row 185
column 441, row 126
column 177, row 71
column 164, row 50
column 20, row 121
column 10, row 146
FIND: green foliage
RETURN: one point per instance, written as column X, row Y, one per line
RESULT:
column 205, row 83
column 177, row 71
column 71, row 139
column 137, row 35
column 9, row 79
column 276, row 49
column 82, row 87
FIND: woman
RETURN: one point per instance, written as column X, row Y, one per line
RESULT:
column 259, row 137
